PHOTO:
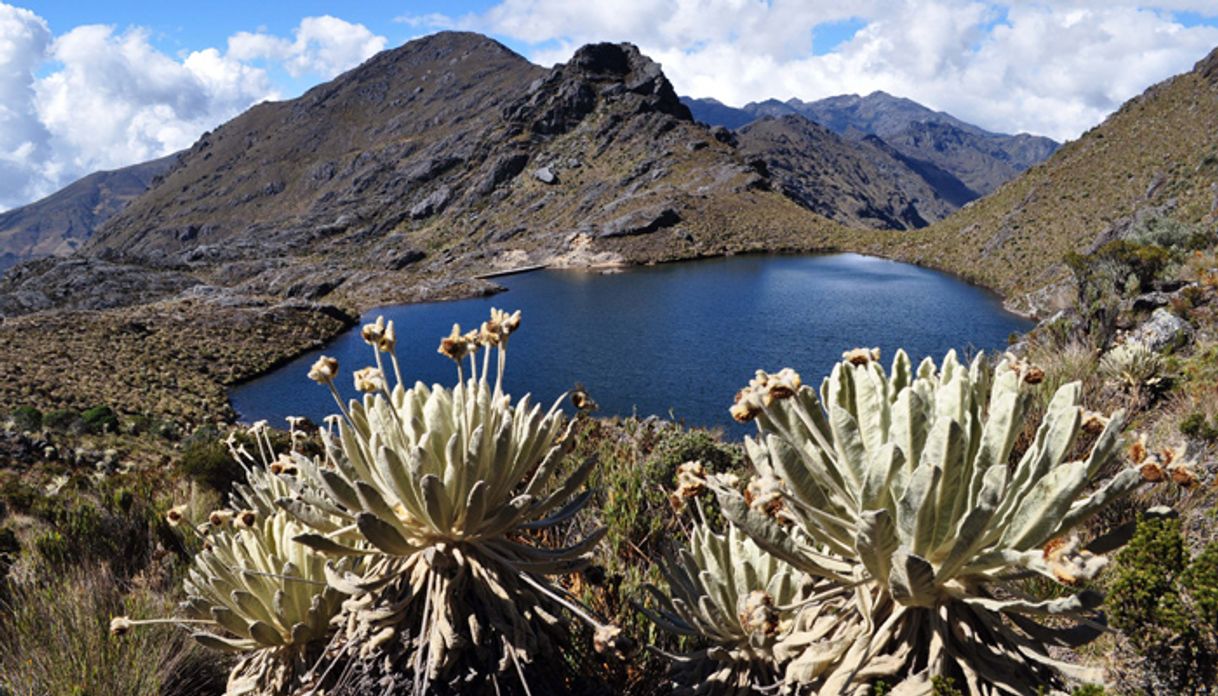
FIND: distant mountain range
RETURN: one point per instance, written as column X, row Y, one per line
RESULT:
column 58, row 224
column 982, row 161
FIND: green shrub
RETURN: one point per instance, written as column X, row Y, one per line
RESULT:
column 63, row 421
column 206, row 459
column 1088, row 690
column 1196, row 425
column 1166, row 604
column 100, row 419
column 27, row 418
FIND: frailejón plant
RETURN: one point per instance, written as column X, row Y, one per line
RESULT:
column 451, row 489
column 750, row 613
column 904, row 485
column 252, row 590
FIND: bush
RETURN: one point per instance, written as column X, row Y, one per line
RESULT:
column 100, row 419
column 27, row 418
column 206, row 459
column 1196, row 425
column 63, row 421
column 1167, row 606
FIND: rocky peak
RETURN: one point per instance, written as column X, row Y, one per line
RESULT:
column 617, row 76
column 1207, row 67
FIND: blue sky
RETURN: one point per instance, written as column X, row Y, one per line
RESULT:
column 104, row 84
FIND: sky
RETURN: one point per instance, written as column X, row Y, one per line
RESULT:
column 101, row 85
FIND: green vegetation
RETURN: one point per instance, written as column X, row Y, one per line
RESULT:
column 1167, row 606
column 27, row 418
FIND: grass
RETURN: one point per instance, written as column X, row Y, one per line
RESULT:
column 55, row 639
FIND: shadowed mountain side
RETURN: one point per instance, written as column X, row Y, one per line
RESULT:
column 58, row 224
column 861, row 184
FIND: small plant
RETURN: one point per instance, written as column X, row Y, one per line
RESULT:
column 745, row 607
column 1133, row 366
column 27, row 418
column 100, row 419
column 1196, row 425
column 63, row 421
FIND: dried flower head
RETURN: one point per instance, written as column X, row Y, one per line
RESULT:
column 1137, row 450
column 388, row 340
column 454, row 346
column 369, row 379
column 246, row 519
column 757, row 613
column 861, row 356
column 176, row 514
column 1069, row 562
column 324, row 370
column 1094, row 423
column 220, row 518
column 119, row 625
column 373, row 333
column 691, row 479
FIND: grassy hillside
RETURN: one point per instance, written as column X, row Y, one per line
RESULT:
column 1159, row 150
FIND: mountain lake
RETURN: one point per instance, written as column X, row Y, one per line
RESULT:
column 675, row 340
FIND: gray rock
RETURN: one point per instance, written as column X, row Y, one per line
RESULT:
column 431, row 204
column 545, row 175
column 1163, row 331
column 642, row 221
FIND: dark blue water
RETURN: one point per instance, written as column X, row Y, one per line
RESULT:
column 676, row 340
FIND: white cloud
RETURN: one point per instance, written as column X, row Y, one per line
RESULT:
column 112, row 98
column 24, row 149
column 1050, row 68
column 322, row 46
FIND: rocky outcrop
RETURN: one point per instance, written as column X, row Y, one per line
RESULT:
column 1162, row 332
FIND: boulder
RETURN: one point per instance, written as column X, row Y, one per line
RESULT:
column 1163, row 331
column 545, row 175
column 431, row 204
column 642, row 221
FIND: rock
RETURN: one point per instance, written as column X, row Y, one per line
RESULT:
column 642, row 221
column 503, row 169
column 431, row 204
column 545, row 175
column 1163, row 331
column 1149, row 301
column 399, row 259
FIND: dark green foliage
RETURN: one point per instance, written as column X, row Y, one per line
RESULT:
column 1196, row 425
column 100, row 419
column 115, row 527
column 944, row 686
column 206, row 459
column 63, row 421
column 27, row 418
column 1088, row 690
column 1165, row 605
column 1200, row 582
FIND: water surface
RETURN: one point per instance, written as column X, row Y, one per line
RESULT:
column 676, row 340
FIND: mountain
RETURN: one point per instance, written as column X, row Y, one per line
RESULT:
column 1157, row 153
column 859, row 184
column 982, row 160
column 450, row 152
column 58, row 224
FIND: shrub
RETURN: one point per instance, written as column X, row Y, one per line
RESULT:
column 1164, row 604
column 1196, row 425
column 27, row 418
column 63, row 421
column 100, row 419
column 207, row 460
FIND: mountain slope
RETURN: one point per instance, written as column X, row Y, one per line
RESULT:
column 61, row 222
column 1159, row 150
column 858, row 184
column 982, row 160
column 446, row 153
